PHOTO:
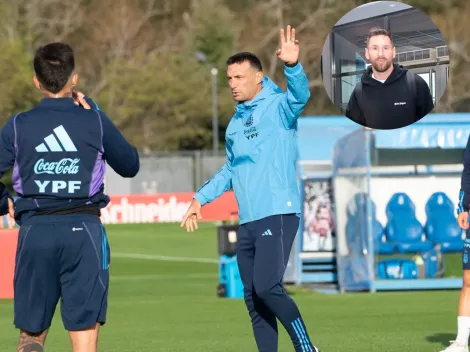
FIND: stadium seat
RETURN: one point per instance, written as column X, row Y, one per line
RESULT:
column 399, row 203
column 441, row 224
column 356, row 235
column 356, row 227
column 403, row 228
column 356, row 230
column 381, row 246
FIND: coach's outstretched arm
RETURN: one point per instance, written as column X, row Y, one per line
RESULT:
column 297, row 94
column 209, row 191
column 119, row 154
column 219, row 183
column 464, row 197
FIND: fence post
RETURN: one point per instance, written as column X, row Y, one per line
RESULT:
column 197, row 169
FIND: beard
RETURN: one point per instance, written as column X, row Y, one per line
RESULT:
column 382, row 65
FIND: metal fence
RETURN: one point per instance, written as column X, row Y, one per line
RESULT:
column 164, row 172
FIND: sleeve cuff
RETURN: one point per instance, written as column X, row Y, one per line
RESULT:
column 92, row 103
column 463, row 204
column 293, row 70
column 465, row 207
column 200, row 198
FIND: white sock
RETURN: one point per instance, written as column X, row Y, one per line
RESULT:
column 463, row 332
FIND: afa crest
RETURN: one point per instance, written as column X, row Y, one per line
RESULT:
column 249, row 121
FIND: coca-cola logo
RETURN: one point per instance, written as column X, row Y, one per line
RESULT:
column 66, row 166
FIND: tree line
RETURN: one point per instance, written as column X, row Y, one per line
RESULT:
column 141, row 59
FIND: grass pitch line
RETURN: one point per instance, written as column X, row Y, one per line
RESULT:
column 164, row 258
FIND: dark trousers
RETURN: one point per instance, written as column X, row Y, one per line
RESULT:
column 263, row 249
column 62, row 257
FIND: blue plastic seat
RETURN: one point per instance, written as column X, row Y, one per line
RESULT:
column 356, row 227
column 441, row 224
column 380, row 245
column 403, row 228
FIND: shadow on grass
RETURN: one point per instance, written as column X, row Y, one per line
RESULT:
column 441, row 337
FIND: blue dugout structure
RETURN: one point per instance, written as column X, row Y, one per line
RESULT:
column 433, row 146
column 317, row 137
column 333, row 149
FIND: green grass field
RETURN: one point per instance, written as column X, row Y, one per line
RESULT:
column 169, row 305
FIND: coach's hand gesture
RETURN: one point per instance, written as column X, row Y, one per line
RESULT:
column 192, row 216
column 289, row 46
column 462, row 220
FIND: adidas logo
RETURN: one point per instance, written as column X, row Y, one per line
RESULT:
column 52, row 142
column 267, row 233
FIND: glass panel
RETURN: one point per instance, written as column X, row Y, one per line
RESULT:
column 432, row 87
column 347, row 86
column 414, row 30
column 349, row 45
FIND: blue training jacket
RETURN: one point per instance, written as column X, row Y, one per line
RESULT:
column 261, row 146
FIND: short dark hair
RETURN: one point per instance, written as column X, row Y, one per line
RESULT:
column 378, row 31
column 245, row 56
column 53, row 65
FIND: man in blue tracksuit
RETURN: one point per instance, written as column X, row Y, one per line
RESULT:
column 261, row 151
column 58, row 151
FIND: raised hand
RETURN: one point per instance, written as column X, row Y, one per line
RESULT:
column 289, row 46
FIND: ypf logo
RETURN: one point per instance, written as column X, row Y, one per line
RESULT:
column 57, row 185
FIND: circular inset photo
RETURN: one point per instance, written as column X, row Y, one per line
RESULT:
column 385, row 65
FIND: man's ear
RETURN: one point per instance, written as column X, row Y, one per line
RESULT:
column 74, row 79
column 36, row 82
column 259, row 77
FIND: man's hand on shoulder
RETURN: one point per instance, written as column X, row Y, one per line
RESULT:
column 79, row 100
column 289, row 47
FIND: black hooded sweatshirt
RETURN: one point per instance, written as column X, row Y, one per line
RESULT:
column 391, row 104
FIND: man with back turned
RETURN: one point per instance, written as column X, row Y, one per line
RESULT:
column 58, row 151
